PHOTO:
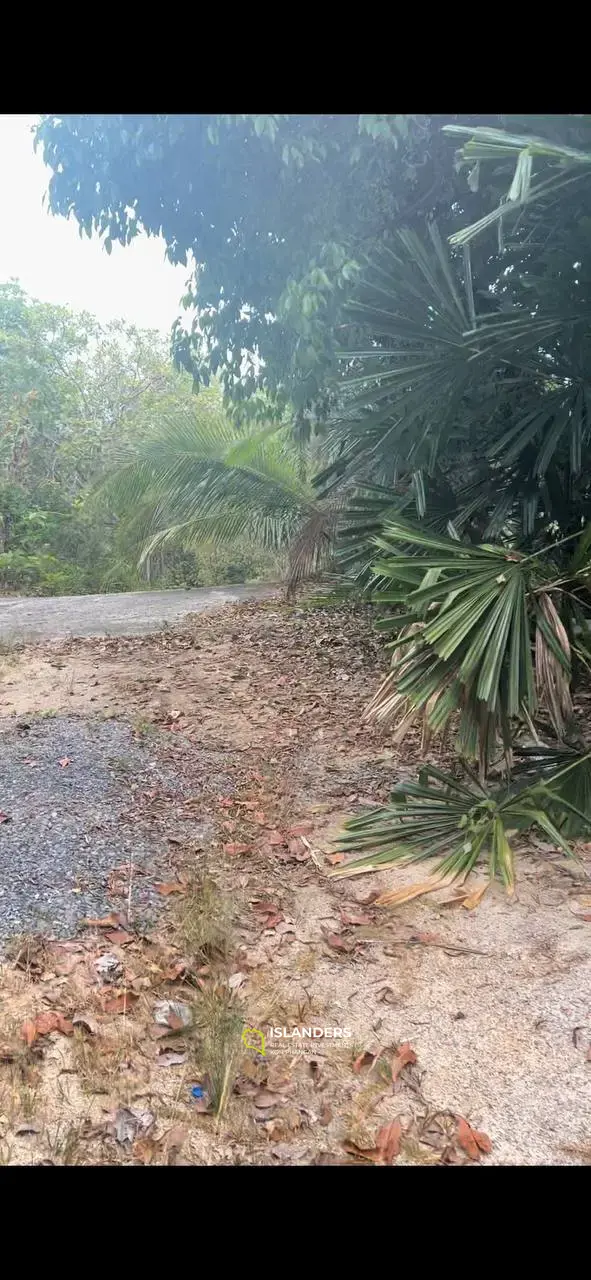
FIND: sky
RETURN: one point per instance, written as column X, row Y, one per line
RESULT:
column 52, row 263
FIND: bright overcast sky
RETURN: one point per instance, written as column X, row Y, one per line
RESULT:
column 52, row 262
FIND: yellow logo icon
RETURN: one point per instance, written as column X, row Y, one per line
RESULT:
column 253, row 1039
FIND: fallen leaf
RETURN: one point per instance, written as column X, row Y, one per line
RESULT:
column 388, row 1141
column 472, row 899
column 335, row 858
column 235, row 847
column 272, row 915
column 372, row 1154
column 172, row 887
column 44, row 1024
column 119, row 938
column 365, row 1059
column 302, row 829
column 265, row 1099
column 106, row 922
column 129, row 1121
column 168, row 1058
column 277, row 838
column 272, row 921
column 471, row 1140
column 86, row 1022
column 172, row 1013
column 120, row 1003
column 108, row 967
column 355, row 917
column 338, row 943
column 405, row 1057
column 174, row 1138
column 325, row 1116
column 64, row 762
column 146, row 1149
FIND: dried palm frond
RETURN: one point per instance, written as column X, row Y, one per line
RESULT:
column 553, row 664
column 312, row 545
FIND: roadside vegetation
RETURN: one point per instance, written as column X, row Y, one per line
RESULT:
column 406, row 299
column 75, row 399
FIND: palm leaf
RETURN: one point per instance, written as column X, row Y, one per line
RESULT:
column 474, row 611
column 460, row 823
column 199, row 479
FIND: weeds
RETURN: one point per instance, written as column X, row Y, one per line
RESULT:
column 203, row 920
column 29, row 953
column 218, row 1026
column 64, row 1143
column 143, row 728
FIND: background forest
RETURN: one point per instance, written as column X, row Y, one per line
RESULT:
column 75, row 400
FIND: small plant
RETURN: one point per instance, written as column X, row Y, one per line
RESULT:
column 218, row 1024
column 462, row 822
column 143, row 728
column 203, row 920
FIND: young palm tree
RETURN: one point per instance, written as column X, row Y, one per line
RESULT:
column 198, row 478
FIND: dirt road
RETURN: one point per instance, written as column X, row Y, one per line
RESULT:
column 188, row 789
column 124, row 613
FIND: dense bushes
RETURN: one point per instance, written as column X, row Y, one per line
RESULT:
column 74, row 399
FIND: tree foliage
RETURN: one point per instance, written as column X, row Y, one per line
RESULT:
column 74, row 396
column 273, row 214
column 472, row 390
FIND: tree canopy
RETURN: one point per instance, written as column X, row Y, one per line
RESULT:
column 274, row 215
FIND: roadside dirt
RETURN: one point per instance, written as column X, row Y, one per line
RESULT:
column 460, row 1022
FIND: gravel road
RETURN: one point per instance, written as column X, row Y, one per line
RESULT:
column 124, row 613
column 64, row 826
column 75, row 808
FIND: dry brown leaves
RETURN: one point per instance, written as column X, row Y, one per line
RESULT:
column 43, row 1024
column 387, row 1145
column 404, row 1057
column 472, row 1141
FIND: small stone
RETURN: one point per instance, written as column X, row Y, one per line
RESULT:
column 167, row 1012
column 108, row 967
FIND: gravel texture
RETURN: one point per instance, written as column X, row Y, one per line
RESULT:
column 69, row 826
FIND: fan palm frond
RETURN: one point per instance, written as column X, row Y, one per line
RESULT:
column 459, row 821
column 565, row 772
column 465, row 641
column 561, row 165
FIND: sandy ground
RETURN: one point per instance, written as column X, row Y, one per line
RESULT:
column 495, row 1002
